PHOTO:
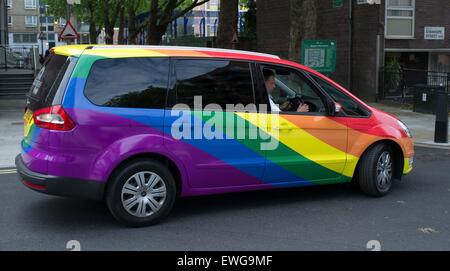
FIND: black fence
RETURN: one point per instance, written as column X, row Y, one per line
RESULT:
column 417, row 87
column 17, row 57
column 401, row 85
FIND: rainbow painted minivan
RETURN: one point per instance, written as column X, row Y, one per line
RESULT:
column 139, row 126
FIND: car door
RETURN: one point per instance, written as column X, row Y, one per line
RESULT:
column 311, row 146
column 204, row 133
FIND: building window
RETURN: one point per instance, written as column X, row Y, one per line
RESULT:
column 30, row 4
column 51, row 36
column 400, row 19
column 9, row 4
column 30, row 20
column 10, row 20
column 24, row 38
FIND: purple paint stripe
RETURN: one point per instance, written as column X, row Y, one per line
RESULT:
column 233, row 175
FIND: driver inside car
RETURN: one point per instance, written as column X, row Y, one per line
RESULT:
column 269, row 78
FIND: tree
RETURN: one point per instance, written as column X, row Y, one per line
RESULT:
column 163, row 12
column 228, row 19
column 87, row 11
column 110, row 11
column 134, row 7
column 249, row 29
column 303, row 15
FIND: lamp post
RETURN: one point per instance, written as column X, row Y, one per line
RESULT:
column 41, row 37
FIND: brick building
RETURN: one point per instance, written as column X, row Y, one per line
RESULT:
column 413, row 32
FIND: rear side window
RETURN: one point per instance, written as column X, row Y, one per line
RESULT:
column 49, row 78
column 128, row 82
column 219, row 82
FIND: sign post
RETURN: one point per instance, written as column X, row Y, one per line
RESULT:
column 69, row 32
column 319, row 55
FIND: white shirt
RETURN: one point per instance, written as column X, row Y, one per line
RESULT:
column 273, row 105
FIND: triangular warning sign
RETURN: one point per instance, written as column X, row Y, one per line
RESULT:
column 69, row 32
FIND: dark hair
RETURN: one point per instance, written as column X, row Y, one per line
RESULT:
column 268, row 73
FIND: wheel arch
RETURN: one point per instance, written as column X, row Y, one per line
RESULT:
column 397, row 152
column 165, row 160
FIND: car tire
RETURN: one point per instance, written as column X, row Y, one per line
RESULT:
column 141, row 193
column 376, row 171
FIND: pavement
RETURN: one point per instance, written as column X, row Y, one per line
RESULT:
column 414, row 216
column 421, row 125
column 11, row 130
column 11, row 123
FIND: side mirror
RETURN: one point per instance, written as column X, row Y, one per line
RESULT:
column 337, row 108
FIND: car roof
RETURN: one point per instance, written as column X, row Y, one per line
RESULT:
column 157, row 51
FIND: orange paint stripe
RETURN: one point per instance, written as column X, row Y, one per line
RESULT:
column 186, row 53
column 320, row 129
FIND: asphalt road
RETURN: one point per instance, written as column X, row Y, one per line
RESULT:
column 415, row 216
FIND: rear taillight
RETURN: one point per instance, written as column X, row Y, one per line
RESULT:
column 53, row 118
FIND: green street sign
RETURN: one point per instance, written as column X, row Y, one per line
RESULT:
column 319, row 55
column 337, row 3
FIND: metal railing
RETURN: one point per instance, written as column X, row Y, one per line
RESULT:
column 18, row 57
column 401, row 85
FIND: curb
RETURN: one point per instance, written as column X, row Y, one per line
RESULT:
column 8, row 170
column 441, row 146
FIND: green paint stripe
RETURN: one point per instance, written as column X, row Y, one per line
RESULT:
column 310, row 170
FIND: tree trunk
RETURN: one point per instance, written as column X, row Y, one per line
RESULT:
column 303, row 17
column 132, row 28
column 120, row 35
column 93, row 33
column 228, row 20
column 155, row 33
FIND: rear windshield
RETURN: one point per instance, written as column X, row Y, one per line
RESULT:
column 48, row 79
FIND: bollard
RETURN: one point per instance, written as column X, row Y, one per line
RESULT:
column 441, row 126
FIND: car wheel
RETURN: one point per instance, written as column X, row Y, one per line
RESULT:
column 376, row 172
column 141, row 193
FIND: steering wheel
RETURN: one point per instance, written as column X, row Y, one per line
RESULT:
column 294, row 103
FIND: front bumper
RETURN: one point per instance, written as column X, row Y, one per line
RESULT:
column 408, row 165
column 60, row 186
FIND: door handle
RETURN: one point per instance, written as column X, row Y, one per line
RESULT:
column 283, row 127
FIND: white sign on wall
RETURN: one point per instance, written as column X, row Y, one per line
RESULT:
column 434, row 33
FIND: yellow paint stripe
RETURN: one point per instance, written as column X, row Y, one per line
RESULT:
column 406, row 167
column 301, row 141
column 116, row 53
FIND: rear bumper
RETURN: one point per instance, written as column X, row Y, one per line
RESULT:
column 60, row 186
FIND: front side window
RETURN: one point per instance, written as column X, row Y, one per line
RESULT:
column 400, row 18
column 291, row 90
column 350, row 107
column 128, row 82
column 218, row 82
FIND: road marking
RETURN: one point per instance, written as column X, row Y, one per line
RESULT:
column 427, row 230
column 8, row 171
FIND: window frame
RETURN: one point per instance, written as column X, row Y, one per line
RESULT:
column 401, row 8
column 10, row 20
column 326, row 99
column 22, row 38
column 34, row 21
column 9, row 4
column 32, row 6
column 333, row 85
column 137, row 108
column 173, row 78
